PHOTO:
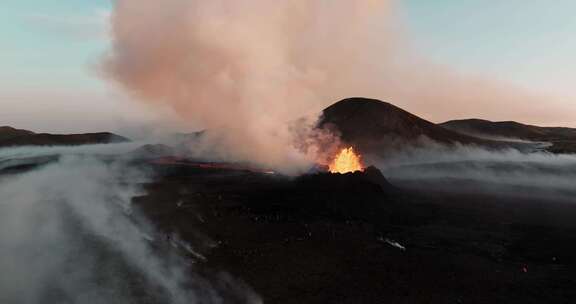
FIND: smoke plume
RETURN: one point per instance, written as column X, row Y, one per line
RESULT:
column 69, row 234
column 474, row 169
column 245, row 69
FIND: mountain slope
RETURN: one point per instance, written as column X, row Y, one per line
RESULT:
column 373, row 124
column 7, row 132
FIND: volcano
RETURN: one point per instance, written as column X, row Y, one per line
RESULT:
column 374, row 125
column 358, row 235
column 358, row 238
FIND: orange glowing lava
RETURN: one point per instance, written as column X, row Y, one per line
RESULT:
column 346, row 161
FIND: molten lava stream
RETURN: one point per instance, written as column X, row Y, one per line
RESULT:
column 346, row 161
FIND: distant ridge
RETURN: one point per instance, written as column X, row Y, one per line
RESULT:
column 10, row 137
column 563, row 140
column 7, row 132
column 510, row 129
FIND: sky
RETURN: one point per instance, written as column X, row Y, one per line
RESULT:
column 530, row 43
column 49, row 54
column 49, row 78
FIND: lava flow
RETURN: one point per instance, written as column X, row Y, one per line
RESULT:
column 346, row 161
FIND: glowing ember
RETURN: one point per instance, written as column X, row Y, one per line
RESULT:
column 346, row 161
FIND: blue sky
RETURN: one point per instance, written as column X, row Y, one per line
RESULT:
column 50, row 48
column 44, row 45
column 48, row 66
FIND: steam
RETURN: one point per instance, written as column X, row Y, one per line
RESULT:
column 509, row 172
column 245, row 69
column 69, row 234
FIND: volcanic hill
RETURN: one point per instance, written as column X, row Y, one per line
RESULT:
column 371, row 124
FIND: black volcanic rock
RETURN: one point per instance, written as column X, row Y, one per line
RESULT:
column 152, row 151
column 370, row 179
column 371, row 124
column 12, row 137
column 334, row 238
column 280, row 234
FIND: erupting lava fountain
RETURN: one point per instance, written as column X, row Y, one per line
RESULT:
column 346, row 161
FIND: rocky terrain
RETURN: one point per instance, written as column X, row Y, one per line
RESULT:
column 362, row 237
column 351, row 239
column 359, row 238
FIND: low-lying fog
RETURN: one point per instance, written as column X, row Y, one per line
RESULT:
column 68, row 234
column 474, row 169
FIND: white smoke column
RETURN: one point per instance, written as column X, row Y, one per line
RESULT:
column 244, row 69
